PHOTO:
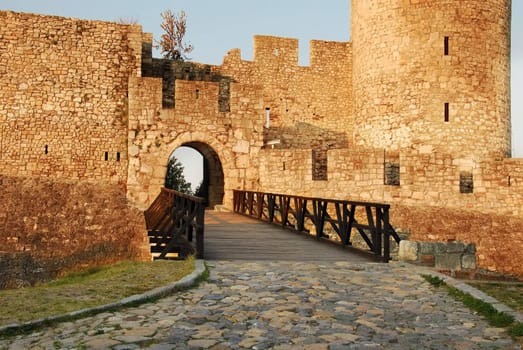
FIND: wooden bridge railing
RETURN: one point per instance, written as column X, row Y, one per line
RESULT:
column 175, row 222
column 304, row 214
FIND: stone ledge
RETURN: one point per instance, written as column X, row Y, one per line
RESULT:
column 452, row 256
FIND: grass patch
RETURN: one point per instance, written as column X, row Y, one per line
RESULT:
column 90, row 288
column 510, row 294
column 494, row 317
column 516, row 330
column 435, row 281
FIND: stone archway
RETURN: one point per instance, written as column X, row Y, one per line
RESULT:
column 213, row 184
column 148, row 168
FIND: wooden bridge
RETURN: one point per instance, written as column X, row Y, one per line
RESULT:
column 230, row 236
column 280, row 227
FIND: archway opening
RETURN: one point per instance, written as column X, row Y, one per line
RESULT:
column 203, row 169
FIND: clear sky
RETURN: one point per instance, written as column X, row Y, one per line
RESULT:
column 216, row 26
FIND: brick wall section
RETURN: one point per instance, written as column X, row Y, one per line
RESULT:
column 63, row 96
column 49, row 227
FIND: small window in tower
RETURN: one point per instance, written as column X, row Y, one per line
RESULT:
column 446, row 46
column 46, row 149
column 267, row 117
column 392, row 174
column 197, row 93
column 106, row 156
column 447, row 109
column 466, row 182
column 117, row 156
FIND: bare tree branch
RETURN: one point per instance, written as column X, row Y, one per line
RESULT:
column 174, row 26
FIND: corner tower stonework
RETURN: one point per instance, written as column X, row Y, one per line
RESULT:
column 432, row 74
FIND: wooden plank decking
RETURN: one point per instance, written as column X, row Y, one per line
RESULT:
column 230, row 236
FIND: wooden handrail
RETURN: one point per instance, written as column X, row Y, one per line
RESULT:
column 295, row 212
column 177, row 220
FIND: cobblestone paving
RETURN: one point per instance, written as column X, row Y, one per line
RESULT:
column 286, row 305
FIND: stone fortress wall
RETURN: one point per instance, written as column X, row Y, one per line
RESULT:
column 413, row 111
column 63, row 110
column 63, row 146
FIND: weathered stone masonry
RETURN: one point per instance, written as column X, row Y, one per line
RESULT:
column 413, row 111
column 64, row 96
column 63, row 146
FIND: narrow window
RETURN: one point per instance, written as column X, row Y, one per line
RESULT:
column 46, row 149
column 447, row 117
column 197, row 93
column 319, row 165
column 267, row 117
column 117, row 156
column 466, row 182
column 446, row 46
column 106, row 156
column 392, row 174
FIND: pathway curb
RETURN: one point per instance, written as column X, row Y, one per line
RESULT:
column 186, row 282
column 476, row 293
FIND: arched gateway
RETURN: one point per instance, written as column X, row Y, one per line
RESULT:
column 229, row 138
column 212, row 185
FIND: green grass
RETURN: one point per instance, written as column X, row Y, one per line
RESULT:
column 494, row 317
column 510, row 294
column 90, row 288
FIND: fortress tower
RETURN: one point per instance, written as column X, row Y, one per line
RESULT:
column 433, row 75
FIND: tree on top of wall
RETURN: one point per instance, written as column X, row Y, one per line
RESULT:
column 174, row 179
column 172, row 44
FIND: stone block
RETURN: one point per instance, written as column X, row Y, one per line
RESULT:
column 468, row 261
column 426, row 248
column 470, row 248
column 440, row 248
column 450, row 262
column 427, row 260
column 242, row 161
column 242, row 146
column 455, row 247
column 134, row 150
column 408, row 251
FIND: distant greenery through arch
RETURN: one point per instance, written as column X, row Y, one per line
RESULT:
column 175, row 180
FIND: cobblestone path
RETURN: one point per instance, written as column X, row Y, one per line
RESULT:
column 286, row 305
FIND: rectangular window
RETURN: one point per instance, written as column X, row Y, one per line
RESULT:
column 446, row 46
column 117, row 156
column 46, row 150
column 447, row 114
column 466, row 182
column 267, row 117
column 319, row 165
column 392, row 174
column 106, row 156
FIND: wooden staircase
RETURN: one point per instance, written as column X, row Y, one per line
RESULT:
column 175, row 224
